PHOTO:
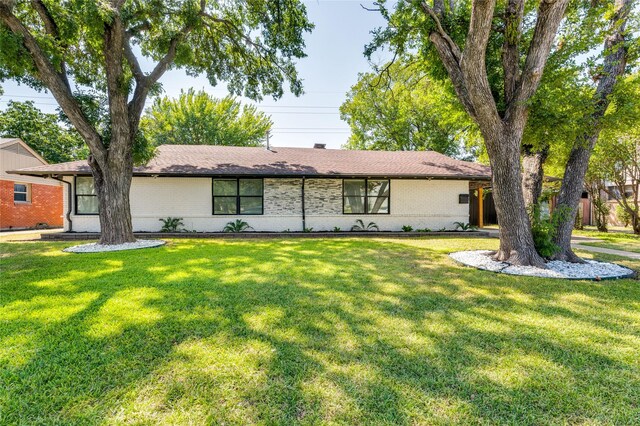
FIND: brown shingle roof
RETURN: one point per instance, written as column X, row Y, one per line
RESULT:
column 207, row 160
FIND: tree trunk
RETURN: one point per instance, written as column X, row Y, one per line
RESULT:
column 573, row 181
column 516, row 241
column 635, row 223
column 113, row 182
column 533, row 174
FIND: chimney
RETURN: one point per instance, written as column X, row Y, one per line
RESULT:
column 319, row 145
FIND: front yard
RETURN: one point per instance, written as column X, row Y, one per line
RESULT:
column 614, row 240
column 311, row 331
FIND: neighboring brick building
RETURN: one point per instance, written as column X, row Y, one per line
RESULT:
column 27, row 201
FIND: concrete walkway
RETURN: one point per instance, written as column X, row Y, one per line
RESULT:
column 576, row 241
column 603, row 250
column 27, row 234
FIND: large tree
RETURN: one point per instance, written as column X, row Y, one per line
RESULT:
column 200, row 119
column 613, row 67
column 120, row 49
column 481, row 50
column 401, row 108
column 44, row 133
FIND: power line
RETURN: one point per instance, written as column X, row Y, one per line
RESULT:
column 256, row 105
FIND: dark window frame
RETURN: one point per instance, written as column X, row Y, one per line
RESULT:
column 75, row 197
column 26, row 192
column 237, row 197
column 366, row 196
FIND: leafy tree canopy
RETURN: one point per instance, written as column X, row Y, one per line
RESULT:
column 196, row 118
column 578, row 40
column 44, row 133
column 401, row 108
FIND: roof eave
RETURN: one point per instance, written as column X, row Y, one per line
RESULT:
column 42, row 173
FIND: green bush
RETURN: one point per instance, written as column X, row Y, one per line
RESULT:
column 407, row 228
column 544, row 229
column 360, row 226
column 465, row 226
column 171, row 224
column 237, row 226
column 623, row 216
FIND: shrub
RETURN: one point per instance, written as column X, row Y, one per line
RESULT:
column 171, row 224
column 465, row 226
column 337, row 229
column 623, row 215
column 238, row 226
column 601, row 210
column 308, row 230
column 407, row 228
column 360, row 226
column 544, row 229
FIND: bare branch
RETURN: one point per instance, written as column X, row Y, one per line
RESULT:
column 370, row 9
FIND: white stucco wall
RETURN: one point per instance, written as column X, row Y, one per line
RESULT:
column 420, row 203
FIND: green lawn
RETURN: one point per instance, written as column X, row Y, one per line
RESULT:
column 343, row 331
column 613, row 240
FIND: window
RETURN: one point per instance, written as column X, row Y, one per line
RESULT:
column 365, row 196
column 21, row 192
column 86, row 197
column 237, row 196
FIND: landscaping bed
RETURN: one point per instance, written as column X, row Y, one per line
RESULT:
column 70, row 236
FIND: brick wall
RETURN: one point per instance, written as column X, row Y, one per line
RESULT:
column 45, row 207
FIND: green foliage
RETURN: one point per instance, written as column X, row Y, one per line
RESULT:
column 238, row 225
column 44, row 133
column 307, row 230
column 250, row 45
column 402, row 109
column 196, row 118
column 407, row 228
column 95, row 107
column 623, row 215
column 337, row 229
column 171, row 224
column 464, row 226
column 360, row 226
column 544, row 229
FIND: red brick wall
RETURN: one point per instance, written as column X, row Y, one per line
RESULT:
column 45, row 207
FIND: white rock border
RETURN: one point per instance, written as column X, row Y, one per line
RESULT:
column 591, row 270
column 100, row 248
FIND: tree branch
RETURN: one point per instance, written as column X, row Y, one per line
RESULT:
column 52, row 29
column 55, row 83
column 455, row 50
column 550, row 13
column 510, row 48
column 452, row 66
column 472, row 62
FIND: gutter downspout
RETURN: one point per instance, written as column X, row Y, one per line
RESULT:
column 304, row 218
column 69, row 201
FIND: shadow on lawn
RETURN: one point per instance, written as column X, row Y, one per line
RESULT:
column 352, row 331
